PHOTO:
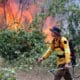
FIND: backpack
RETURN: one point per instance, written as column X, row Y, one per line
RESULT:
column 73, row 51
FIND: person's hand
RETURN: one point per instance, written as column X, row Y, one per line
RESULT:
column 40, row 60
column 66, row 66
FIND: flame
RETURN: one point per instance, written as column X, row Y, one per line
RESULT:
column 18, row 14
column 49, row 23
column 1, row 12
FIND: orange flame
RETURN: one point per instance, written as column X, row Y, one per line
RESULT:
column 18, row 14
column 1, row 12
column 49, row 23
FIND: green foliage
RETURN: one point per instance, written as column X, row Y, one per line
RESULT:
column 6, row 75
column 24, row 47
column 21, row 45
column 57, row 7
column 74, row 26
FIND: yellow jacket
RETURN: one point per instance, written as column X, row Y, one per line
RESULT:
column 62, row 51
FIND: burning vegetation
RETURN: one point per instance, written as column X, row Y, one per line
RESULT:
column 15, row 14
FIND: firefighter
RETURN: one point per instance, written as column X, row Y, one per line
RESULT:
column 60, row 45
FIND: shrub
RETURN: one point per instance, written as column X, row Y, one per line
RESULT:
column 21, row 45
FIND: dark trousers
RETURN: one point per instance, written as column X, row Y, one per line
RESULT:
column 62, row 73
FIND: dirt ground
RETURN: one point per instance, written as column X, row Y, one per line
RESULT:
column 37, row 74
